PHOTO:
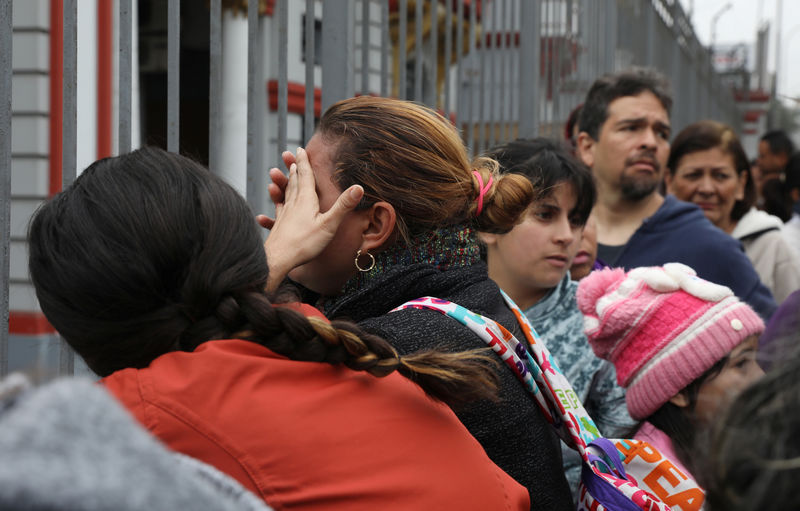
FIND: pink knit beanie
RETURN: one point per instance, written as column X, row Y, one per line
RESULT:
column 661, row 327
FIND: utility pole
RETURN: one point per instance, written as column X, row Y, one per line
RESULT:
column 714, row 20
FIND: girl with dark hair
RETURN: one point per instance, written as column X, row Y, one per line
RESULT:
column 531, row 264
column 152, row 269
column 683, row 348
column 708, row 166
column 537, row 253
column 414, row 234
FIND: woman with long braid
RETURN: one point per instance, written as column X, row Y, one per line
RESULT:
column 413, row 234
column 152, row 269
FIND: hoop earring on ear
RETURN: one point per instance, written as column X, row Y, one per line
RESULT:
column 371, row 263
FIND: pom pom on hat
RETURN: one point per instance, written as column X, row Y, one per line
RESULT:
column 661, row 327
column 603, row 281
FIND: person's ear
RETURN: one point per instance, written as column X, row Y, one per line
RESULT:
column 681, row 399
column 668, row 177
column 795, row 193
column 382, row 219
column 487, row 238
column 585, row 148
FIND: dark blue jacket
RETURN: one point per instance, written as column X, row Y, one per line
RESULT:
column 680, row 232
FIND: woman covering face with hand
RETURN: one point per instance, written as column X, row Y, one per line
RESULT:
column 708, row 167
column 152, row 269
column 413, row 234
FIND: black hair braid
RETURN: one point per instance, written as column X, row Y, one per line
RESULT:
column 366, row 352
column 453, row 378
column 297, row 337
column 283, row 330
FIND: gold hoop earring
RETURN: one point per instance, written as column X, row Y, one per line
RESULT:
column 371, row 262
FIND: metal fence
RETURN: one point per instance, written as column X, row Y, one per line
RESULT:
column 499, row 69
column 5, row 173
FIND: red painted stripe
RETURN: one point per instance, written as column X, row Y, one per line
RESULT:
column 296, row 103
column 753, row 96
column 28, row 323
column 753, row 115
column 56, row 97
column 105, row 73
column 495, row 40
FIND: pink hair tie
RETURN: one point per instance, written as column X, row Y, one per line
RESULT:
column 483, row 190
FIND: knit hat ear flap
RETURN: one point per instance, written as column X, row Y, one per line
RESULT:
column 591, row 288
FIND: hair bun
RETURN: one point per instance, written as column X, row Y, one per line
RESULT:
column 503, row 202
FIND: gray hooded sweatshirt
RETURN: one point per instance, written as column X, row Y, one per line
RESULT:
column 69, row 446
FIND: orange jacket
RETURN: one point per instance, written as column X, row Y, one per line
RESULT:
column 308, row 435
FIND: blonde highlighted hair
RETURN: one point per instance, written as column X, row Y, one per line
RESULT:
column 411, row 157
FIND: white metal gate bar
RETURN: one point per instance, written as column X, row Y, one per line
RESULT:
column 460, row 49
column 255, row 92
column 434, row 52
column 365, row 46
column 555, row 65
column 311, row 57
column 385, row 48
column 650, row 47
column 548, row 34
column 506, row 39
column 337, row 51
column 70, row 132
column 448, row 51
column 677, row 55
column 125, row 74
column 419, row 17
column 282, row 16
column 611, row 34
column 480, row 122
column 468, row 103
column 529, row 69
column 6, row 31
column 215, row 86
column 490, row 40
column 173, row 75
column 402, row 12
